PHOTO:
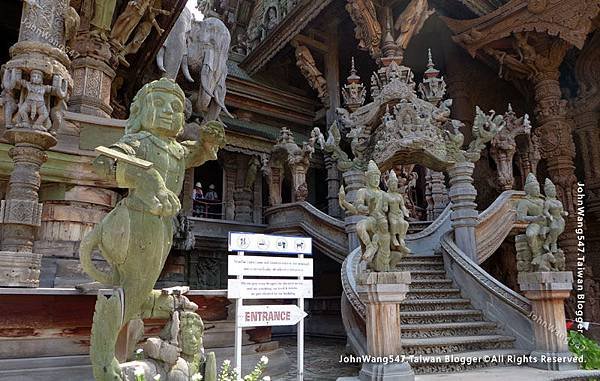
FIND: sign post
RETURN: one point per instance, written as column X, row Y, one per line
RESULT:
column 296, row 267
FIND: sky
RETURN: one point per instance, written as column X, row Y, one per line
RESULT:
column 191, row 5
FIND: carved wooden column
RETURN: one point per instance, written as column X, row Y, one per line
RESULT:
column 35, row 86
column 556, row 141
column 439, row 193
column 464, row 213
column 354, row 180
column 333, row 186
column 230, row 172
column 94, row 64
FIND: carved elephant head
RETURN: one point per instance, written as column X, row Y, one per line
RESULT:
column 208, row 48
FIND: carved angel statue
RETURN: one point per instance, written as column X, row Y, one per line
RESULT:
column 411, row 20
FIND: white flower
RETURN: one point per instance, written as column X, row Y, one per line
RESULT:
column 266, row 378
column 139, row 350
column 197, row 377
column 138, row 371
column 157, row 377
column 264, row 360
column 226, row 362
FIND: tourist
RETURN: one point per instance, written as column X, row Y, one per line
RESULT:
column 198, row 200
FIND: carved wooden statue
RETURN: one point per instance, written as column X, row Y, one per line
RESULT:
column 135, row 238
column 538, row 250
column 383, row 229
column 307, row 65
column 410, row 21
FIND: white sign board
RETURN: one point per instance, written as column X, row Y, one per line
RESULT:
column 269, row 289
column 269, row 266
column 262, row 243
column 270, row 315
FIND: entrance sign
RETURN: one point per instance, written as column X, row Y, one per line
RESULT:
column 263, row 243
column 267, row 267
column 269, row 289
column 271, row 266
column 270, row 315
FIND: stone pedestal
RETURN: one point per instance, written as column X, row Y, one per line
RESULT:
column 382, row 293
column 547, row 292
column 464, row 215
column 353, row 180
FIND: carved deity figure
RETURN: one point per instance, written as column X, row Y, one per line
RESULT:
column 103, row 15
column 178, row 353
column 307, row 65
column 373, row 231
column 143, row 30
column 530, row 210
column 538, row 249
column 411, row 20
column 33, row 111
column 368, row 30
column 271, row 19
column 555, row 215
column 128, row 20
column 136, row 236
column 397, row 213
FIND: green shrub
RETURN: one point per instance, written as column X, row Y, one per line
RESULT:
column 588, row 349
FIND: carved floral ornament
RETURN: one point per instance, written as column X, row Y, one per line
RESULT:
column 398, row 126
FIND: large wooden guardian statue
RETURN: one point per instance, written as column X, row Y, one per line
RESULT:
column 136, row 237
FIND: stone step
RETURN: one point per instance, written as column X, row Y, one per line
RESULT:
column 466, row 361
column 419, row 265
column 450, row 345
column 435, row 304
column 444, row 316
column 432, row 293
column 431, row 283
column 448, row 329
column 428, row 274
column 423, row 258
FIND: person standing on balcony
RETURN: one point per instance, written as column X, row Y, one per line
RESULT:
column 198, row 199
column 212, row 199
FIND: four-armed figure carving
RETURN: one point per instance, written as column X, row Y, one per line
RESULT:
column 135, row 238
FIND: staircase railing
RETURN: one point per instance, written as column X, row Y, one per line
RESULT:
column 496, row 223
column 498, row 303
column 328, row 233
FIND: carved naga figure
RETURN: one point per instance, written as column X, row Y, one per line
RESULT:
column 200, row 50
column 135, row 238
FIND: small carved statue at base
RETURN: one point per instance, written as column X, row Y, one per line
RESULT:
column 538, row 250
